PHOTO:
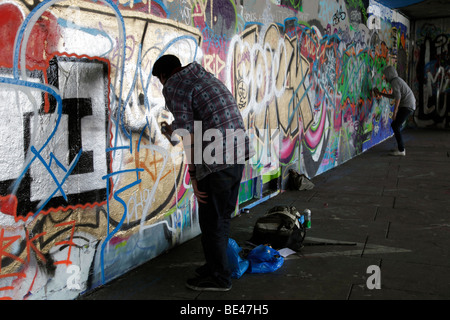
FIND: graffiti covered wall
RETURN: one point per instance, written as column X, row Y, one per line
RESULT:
column 90, row 188
column 431, row 73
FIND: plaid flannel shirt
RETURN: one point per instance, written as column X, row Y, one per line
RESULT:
column 193, row 94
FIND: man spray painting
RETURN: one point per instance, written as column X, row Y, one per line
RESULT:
column 404, row 105
column 197, row 99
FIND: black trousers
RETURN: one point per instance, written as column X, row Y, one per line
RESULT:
column 402, row 115
column 215, row 217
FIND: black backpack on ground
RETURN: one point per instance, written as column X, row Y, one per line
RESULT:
column 280, row 228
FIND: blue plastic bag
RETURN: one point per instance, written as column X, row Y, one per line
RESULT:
column 237, row 265
column 264, row 259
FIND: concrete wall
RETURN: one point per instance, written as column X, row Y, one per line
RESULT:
column 89, row 188
column 431, row 72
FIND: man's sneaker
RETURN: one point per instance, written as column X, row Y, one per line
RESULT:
column 398, row 153
column 207, row 283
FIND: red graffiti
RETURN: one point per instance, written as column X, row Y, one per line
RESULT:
column 5, row 242
column 69, row 242
column 30, row 245
column 42, row 42
column 8, row 205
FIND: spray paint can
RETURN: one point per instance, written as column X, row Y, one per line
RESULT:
column 307, row 215
column 163, row 121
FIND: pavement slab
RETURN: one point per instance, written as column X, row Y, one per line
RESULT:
column 374, row 211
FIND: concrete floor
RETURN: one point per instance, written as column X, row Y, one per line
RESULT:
column 391, row 212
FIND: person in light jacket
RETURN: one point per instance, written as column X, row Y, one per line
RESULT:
column 404, row 105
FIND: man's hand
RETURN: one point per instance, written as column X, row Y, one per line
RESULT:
column 201, row 195
column 166, row 129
